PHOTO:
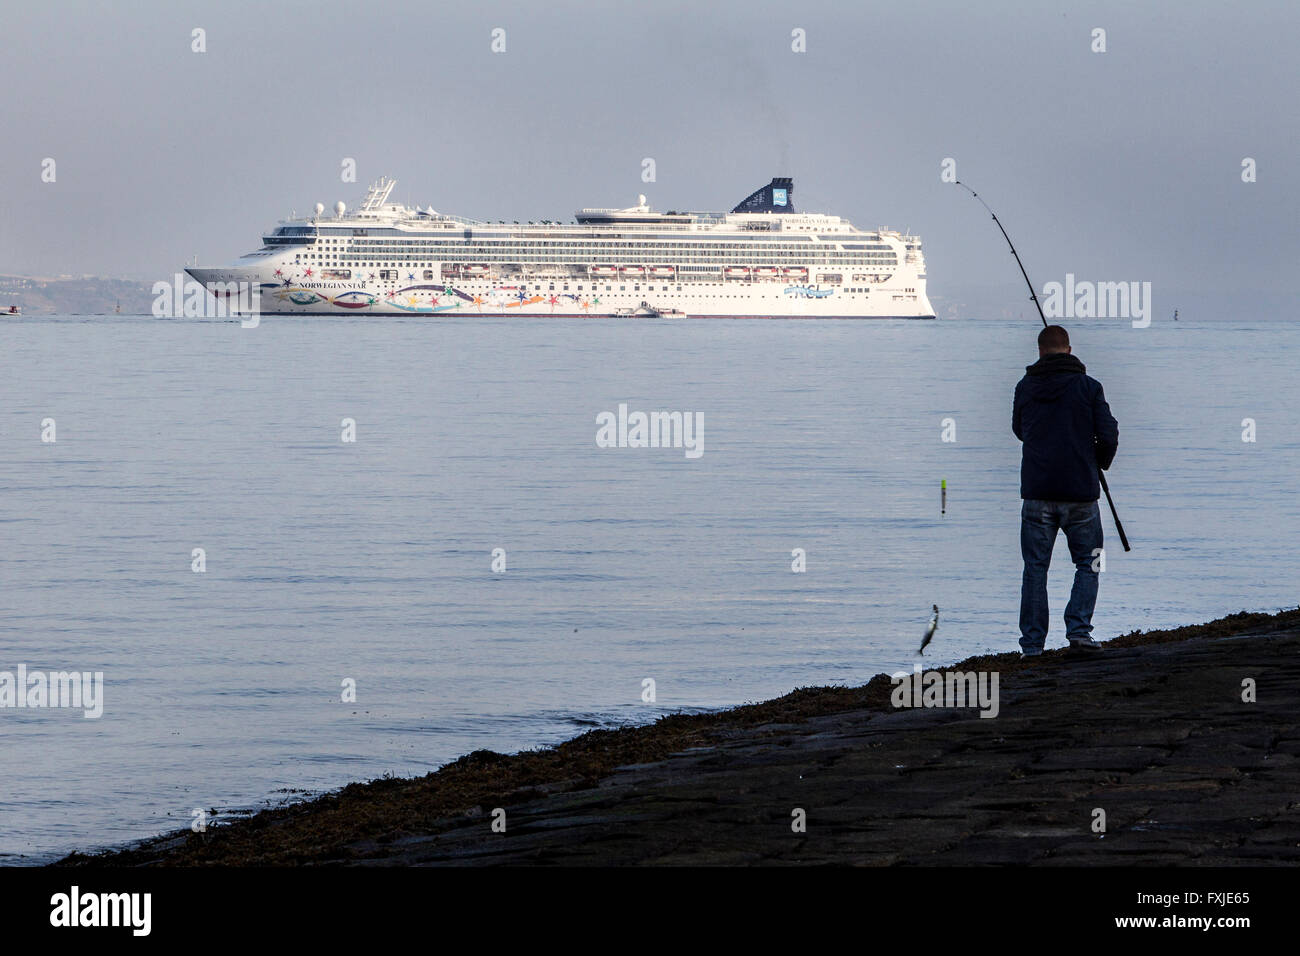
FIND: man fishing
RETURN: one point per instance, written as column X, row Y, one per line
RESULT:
column 1061, row 417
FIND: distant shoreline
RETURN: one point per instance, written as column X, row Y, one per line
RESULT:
column 615, row 796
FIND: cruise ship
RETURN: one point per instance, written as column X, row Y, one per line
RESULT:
column 763, row 259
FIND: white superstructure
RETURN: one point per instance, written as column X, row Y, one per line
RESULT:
column 762, row 259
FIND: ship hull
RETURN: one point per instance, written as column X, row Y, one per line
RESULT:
column 267, row 294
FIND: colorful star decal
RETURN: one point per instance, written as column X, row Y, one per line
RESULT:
column 433, row 300
column 278, row 272
column 586, row 304
column 411, row 276
column 391, row 293
column 309, row 272
column 595, row 302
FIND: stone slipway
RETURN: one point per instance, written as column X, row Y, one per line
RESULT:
column 1153, row 731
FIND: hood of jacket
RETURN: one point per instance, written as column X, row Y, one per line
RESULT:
column 1048, row 378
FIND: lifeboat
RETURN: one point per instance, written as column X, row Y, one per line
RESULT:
column 795, row 272
column 603, row 270
column 632, row 270
column 662, row 270
column 765, row 272
column 475, row 269
column 737, row 272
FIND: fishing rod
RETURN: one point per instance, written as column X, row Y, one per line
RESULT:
column 1038, row 305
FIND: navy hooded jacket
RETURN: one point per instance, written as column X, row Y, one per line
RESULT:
column 1061, row 416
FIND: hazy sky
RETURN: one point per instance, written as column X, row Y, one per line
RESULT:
column 1123, row 165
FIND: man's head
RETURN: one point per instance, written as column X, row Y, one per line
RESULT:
column 1053, row 340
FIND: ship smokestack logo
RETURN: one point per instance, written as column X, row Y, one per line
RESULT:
column 775, row 196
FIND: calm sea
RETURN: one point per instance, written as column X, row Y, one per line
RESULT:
column 371, row 561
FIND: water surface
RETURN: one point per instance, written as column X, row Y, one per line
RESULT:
column 372, row 560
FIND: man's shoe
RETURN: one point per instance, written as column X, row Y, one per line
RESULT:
column 1026, row 655
column 1086, row 646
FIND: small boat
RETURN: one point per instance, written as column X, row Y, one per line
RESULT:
column 632, row 270
column 662, row 270
column 603, row 271
column 14, row 310
column 475, row 269
column 765, row 272
column 795, row 272
column 737, row 272
column 643, row 311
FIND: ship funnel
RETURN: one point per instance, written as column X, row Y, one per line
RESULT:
column 776, row 196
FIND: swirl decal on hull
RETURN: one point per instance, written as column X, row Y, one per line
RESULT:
column 436, row 294
column 353, row 300
column 361, row 299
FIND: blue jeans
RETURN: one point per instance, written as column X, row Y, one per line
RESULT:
column 1039, row 522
